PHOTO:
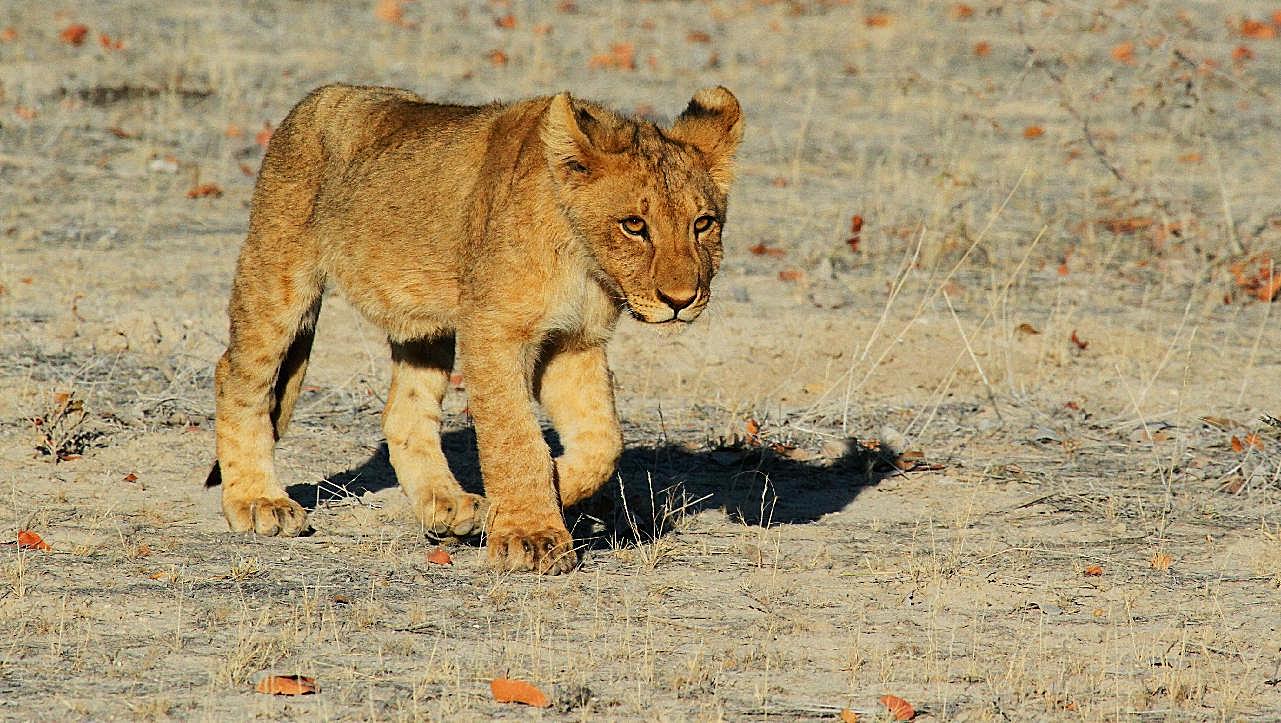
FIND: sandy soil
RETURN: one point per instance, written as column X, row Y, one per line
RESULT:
column 1046, row 358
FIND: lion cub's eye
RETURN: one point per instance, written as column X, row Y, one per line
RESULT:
column 702, row 223
column 633, row 225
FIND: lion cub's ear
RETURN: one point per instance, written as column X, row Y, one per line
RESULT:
column 570, row 152
column 713, row 123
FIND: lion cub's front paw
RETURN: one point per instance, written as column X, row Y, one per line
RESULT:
column 269, row 516
column 458, row 515
column 547, row 551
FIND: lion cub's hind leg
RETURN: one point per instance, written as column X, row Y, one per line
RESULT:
column 256, row 385
column 411, row 423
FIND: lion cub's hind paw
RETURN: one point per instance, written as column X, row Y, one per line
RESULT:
column 267, row 516
column 455, row 516
column 550, row 552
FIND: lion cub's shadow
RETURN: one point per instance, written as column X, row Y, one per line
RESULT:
column 656, row 487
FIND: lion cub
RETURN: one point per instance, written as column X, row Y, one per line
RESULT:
column 516, row 233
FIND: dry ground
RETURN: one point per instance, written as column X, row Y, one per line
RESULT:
column 722, row 579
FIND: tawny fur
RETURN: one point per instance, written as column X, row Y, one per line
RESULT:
column 504, row 230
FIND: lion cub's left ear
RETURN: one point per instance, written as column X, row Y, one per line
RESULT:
column 713, row 123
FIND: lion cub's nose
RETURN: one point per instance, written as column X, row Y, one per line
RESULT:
column 677, row 298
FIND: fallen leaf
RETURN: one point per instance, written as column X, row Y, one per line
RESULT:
column 74, row 34
column 899, row 708
column 753, row 432
column 1082, row 345
column 246, row 169
column 1256, row 30
column 263, row 137
column 131, row 477
column 791, row 275
column 1093, row 571
column 287, row 685
column 1026, row 328
column 143, row 550
column 1252, row 440
column 856, row 224
column 392, row 12
column 24, row 112
column 1063, row 269
column 1161, row 561
column 621, row 56
column 1127, row 226
column 119, row 132
column 763, row 249
column 233, row 131
column 109, row 43
column 961, row 11
column 1124, row 53
column 698, row 36
column 1032, row 132
column 28, row 540
column 497, row 58
column 205, row 190
column 8, row 35
column 542, row 29
column 880, row 20
column 505, row 690
column 440, row 556
column 507, row 22
column 1241, row 54
column 848, row 716
column 982, row 48
column 1193, row 157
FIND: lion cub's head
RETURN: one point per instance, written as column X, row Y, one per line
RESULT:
column 649, row 201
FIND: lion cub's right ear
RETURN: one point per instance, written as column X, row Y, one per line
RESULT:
column 569, row 150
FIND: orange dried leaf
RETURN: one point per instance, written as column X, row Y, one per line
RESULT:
column 1026, row 328
column 1241, row 53
column 848, row 716
column 24, row 112
column 263, row 137
column 1093, row 571
column 621, row 56
column 74, row 34
column 1161, row 561
column 29, row 540
column 8, row 35
column 880, row 20
column 505, row 690
column 753, row 431
column 982, row 48
column 205, row 190
column 1080, row 344
column 1252, row 440
column 856, row 224
column 1193, row 157
column 287, row 685
column 961, row 11
column 698, row 36
column 1033, row 132
column 507, row 22
column 1124, row 53
column 391, row 12
column 763, row 249
column 131, row 477
column 1126, row 226
column 899, row 708
column 1256, row 30
column 440, row 556
column 497, row 58
column 109, row 43
column 233, row 131
column 1063, row 269
column 791, row 275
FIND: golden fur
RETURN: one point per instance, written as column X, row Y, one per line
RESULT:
column 517, row 232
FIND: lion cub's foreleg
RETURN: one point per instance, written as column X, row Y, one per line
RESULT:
column 525, row 528
column 411, row 423
column 577, row 391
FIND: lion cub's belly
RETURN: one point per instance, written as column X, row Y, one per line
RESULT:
column 406, row 301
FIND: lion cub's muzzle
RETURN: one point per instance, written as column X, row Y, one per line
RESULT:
column 675, row 305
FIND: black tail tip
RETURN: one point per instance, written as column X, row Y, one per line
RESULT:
column 215, row 476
